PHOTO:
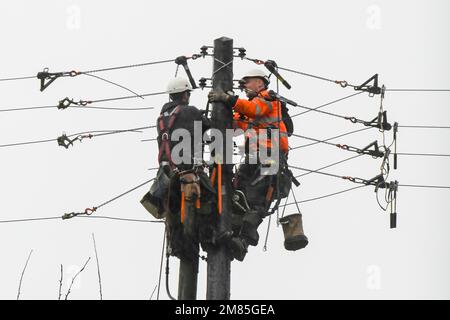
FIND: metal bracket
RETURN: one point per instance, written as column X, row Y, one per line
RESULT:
column 374, row 153
column 66, row 102
column 377, row 181
column 182, row 60
column 371, row 89
column 51, row 77
column 203, row 83
column 242, row 53
column 64, row 141
column 380, row 121
column 204, row 51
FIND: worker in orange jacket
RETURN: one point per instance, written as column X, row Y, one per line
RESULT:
column 260, row 111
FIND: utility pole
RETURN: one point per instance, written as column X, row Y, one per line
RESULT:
column 187, row 282
column 219, row 263
column 188, row 273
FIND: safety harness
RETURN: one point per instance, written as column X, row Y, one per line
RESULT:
column 166, row 121
column 165, row 124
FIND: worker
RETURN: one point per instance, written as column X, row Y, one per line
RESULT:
column 260, row 112
column 180, row 183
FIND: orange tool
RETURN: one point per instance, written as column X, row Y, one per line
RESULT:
column 182, row 207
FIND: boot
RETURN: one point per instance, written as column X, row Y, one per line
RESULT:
column 294, row 237
column 249, row 231
column 238, row 247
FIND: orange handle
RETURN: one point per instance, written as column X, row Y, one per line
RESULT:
column 182, row 207
column 197, row 203
column 213, row 176
column 269, row 194
column 219, row 188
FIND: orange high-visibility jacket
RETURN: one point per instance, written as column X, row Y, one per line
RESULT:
column 258, row 113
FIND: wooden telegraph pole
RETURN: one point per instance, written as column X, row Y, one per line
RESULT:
column 219, row 263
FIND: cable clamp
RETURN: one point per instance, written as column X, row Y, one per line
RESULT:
column 371, row 89
column 48, row 78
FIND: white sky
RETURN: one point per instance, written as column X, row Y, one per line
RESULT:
column 352, row 252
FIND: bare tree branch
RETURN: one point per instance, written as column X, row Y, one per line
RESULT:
column 60, row 283
column 98, row 268
column 23, row 272
column 73, row 279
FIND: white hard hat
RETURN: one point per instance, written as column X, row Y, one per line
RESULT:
column 177, row 85
column 257, row 73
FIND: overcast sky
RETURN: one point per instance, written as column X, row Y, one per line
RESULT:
column 352, row 252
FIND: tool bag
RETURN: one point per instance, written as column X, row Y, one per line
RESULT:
column 153, row 200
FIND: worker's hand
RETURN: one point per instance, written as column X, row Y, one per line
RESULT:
column 190, row 185
column 218, row 96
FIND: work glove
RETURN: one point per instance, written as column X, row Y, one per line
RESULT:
column 218, row 96
column 190, row 185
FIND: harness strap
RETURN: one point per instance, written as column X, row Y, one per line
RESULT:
column 165, row 124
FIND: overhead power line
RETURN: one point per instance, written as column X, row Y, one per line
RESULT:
column 326, row 104
column 324, row 196
column 423, row 154
column 65, row 139
column 79, row 108
column 17, row 78
column 328, row 166
column 342, row 83
column 90, row 217
column 328, row 139
column 85, row 104
column 424, row 186
column 418, row 90
column 75, row 73
column 424, row 127
column 90, row 211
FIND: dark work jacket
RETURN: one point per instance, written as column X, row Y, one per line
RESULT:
column 184, row 120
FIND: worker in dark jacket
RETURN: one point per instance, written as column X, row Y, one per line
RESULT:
column 180, row 184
